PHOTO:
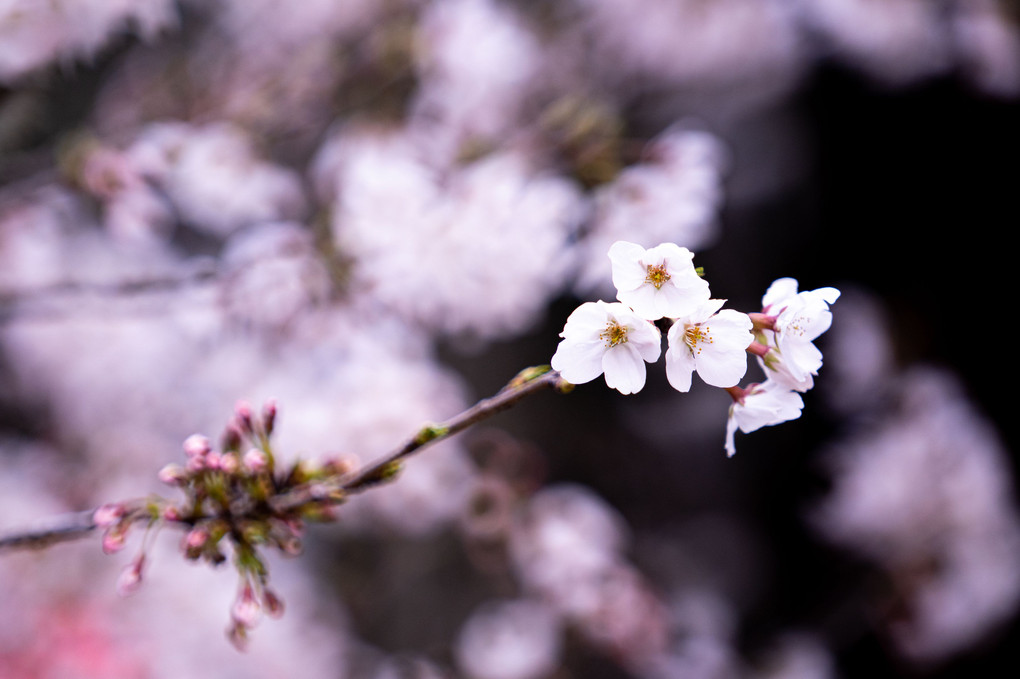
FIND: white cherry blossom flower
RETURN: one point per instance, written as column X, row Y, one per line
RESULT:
column 602, row 337
column 710, row 341
column 657, row 282
column 761, row 405
column 800, row 317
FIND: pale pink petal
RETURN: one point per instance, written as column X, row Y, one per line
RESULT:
column 781, row 291
column 579, row 362
column 625, row 371
column 629, row 272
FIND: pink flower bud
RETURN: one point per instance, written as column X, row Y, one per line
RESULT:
column 173, row 474
column 131, row 577
column 196, row 538
column 272, row 603
column 196, row 445
column 232, row 436
column 171, row 513
column 196, row 464
column 255, row 461
column 114, row 539
column 247, row 609
column 269, row 416
column 212, row 460
column 108, row 515
column 229, row 462
column 238, row 636
column 194, row 542
column 242, row 411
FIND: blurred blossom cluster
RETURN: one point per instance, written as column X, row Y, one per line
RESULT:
column 340, row 205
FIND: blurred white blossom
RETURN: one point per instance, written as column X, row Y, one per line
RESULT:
column 509, row 640
column 927, row 495
column 476, row 249
column 672, row 196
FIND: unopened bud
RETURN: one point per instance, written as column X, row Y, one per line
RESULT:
column 131, row 577
column 232, row 436
column 269, row 416
column 238, row 636
column 229, row 462
column 242, row 412
column 247, row 609
column 255, row 461
column 196, row 445
column 114, row 538
column 195, row 541
column 108, row 515
column 173, row 474
column 273, row 604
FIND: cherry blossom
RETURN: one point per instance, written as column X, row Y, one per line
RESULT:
column 710, row 341
column 659, row 282
column 760, row 405
column 798, row 318
column 603, row 337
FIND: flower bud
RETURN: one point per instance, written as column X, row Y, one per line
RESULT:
column 255, row 461
column 269, row 416
column 273, row 604
column 229, row 462
column 242, row 412
column 195, row 541
column 108, row 515
column 196, row 445
column 131, row 577
column 238, row 636
column 247, row 609
column 114, row 538
column 232, row 436
column 173, row 474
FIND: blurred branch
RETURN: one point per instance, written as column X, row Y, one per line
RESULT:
column 61, row 529
column 80, row 524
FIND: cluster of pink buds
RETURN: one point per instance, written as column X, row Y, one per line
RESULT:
column 234, row 497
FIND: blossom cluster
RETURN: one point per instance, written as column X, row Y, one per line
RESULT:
column 617, row 338
column 232, row 498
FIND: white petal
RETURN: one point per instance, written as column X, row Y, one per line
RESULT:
column 643, row 300
column 679, row 361
column 586, row 322
column 731, row 429
column 680, row 298
column 779, row 292
column 678, row 260
column 579, row 362
column 720, row 368
column 629, row 272
column 625, row 371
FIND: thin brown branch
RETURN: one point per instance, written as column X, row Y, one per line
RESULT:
column 61, row 529
column 80, row 524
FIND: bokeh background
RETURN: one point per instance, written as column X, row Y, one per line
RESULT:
column 377, row 212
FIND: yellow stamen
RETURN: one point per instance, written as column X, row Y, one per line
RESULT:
column 614, row 334
column 696, row 336
column 657, row 275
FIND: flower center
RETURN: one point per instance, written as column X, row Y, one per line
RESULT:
column 696, row 336
column 614, row 334
column 657, row 275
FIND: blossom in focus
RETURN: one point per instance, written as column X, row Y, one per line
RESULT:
column 659, row 282
column 602, row 337
column 710, row 341
column 800, row 317
column 759, row 406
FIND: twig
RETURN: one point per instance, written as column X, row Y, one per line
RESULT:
column 63, row 528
